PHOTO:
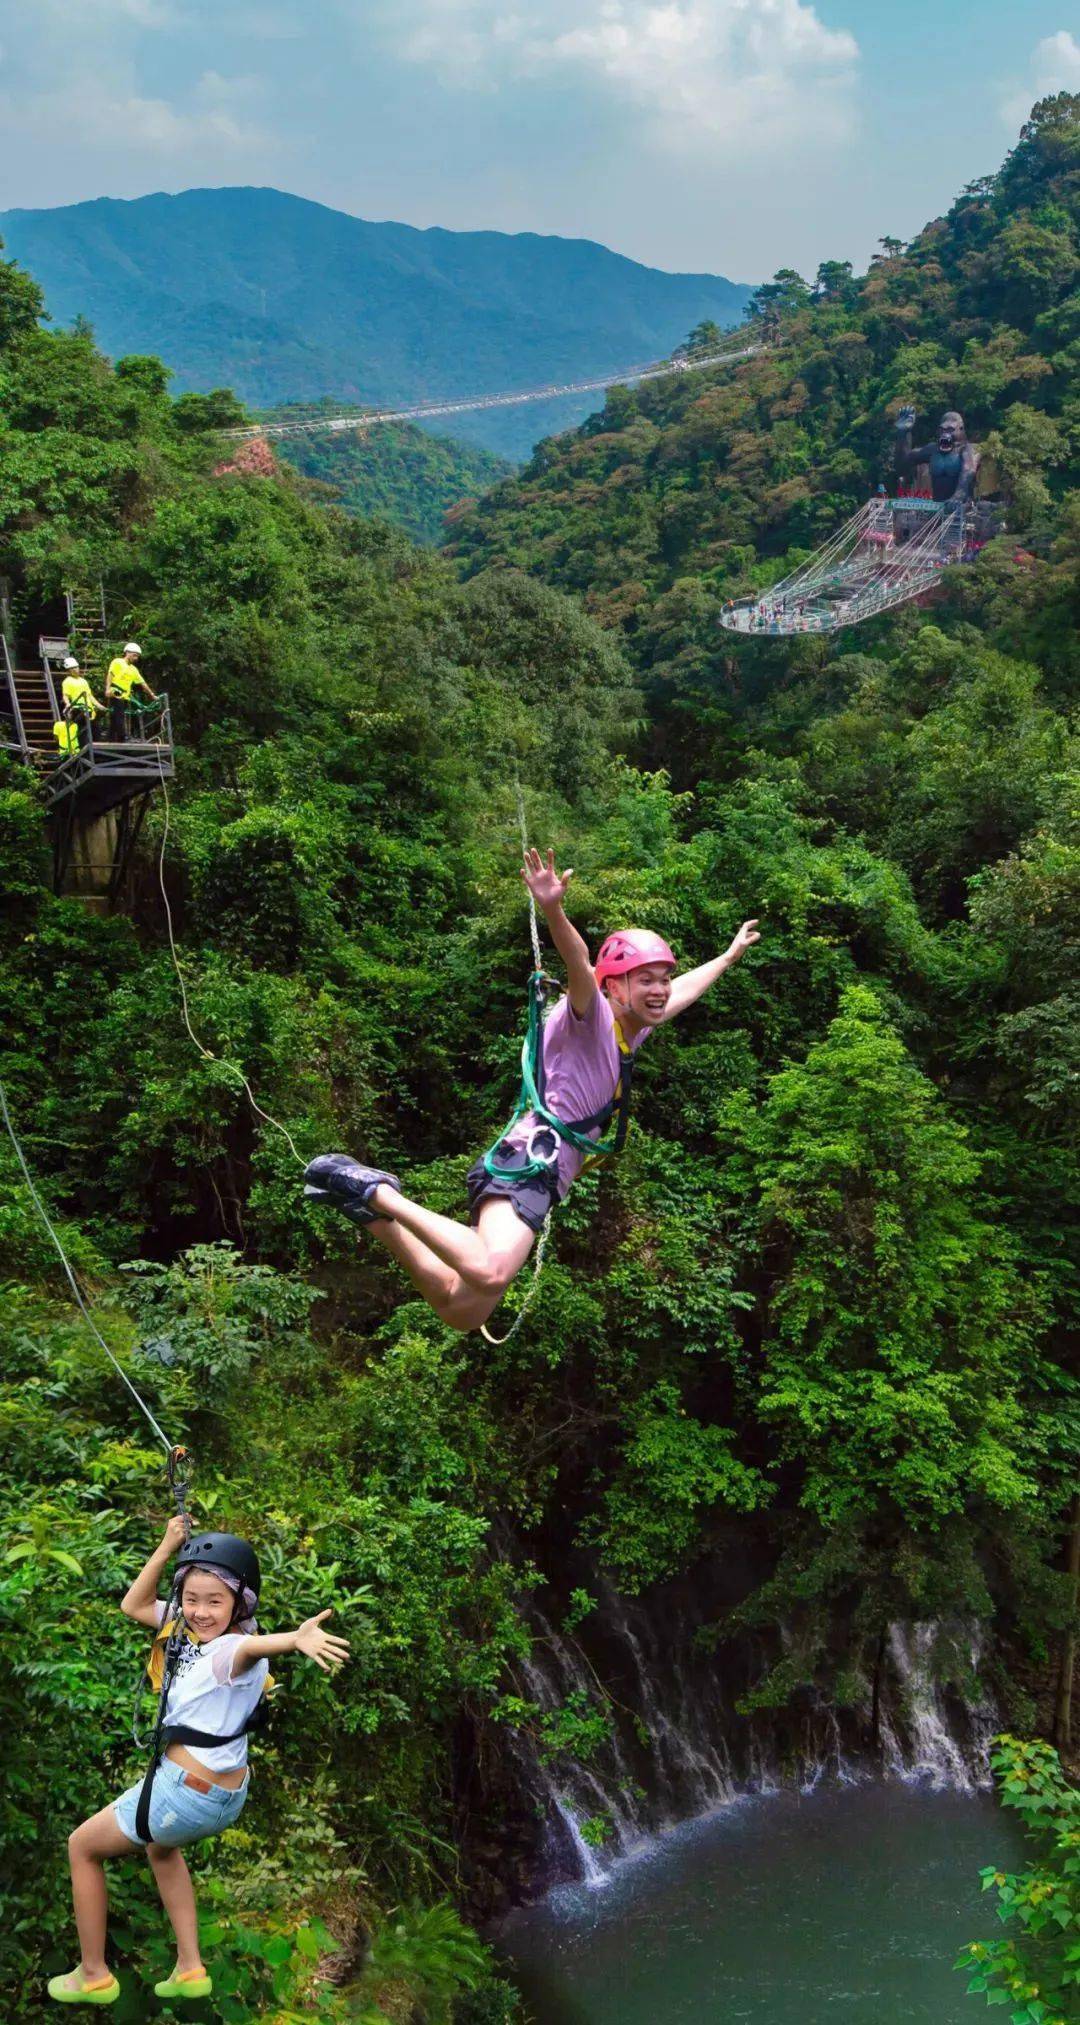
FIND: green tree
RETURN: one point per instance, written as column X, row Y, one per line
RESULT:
column 22, row 304
column 896, row 1320
column 833, row 279
column 1035, row 1970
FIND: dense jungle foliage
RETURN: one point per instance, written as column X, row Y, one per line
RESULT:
column 397, row 472
column 1035, row 1968
column 824, row 1309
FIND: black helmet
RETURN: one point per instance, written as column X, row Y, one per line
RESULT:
column 221, row 1550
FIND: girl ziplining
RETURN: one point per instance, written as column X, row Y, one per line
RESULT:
column 210, row 1665
column 579, row 1082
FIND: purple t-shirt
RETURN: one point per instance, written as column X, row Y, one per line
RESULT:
column 582, row 1068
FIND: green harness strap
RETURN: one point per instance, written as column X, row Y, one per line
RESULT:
column 531, row 1098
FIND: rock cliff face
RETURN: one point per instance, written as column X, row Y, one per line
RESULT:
column 676, row 1744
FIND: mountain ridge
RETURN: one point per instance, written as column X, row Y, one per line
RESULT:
column 284, row 299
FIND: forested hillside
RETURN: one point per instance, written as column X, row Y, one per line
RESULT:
column 810, row 1344
column 396, row 472
column 682, row 493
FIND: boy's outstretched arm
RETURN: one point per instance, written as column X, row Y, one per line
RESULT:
column 688, row 988
column 548, row 888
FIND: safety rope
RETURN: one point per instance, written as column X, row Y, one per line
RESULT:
column 534, row 925
column 545, row 1229
column 206, row 1053
column 175, row 1453
column 530, row 1292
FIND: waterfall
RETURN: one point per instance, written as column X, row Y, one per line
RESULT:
column 677, row 1746
column 922, row 1737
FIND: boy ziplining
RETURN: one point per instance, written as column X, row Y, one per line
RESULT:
column 607, row 1012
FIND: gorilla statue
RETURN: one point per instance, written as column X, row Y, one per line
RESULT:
column 953, row 461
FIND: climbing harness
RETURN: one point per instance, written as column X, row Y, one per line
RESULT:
column 177, row 1457
column 531, row 1100
column 212, row 1550
column 206, row 1053
column 531, row 1095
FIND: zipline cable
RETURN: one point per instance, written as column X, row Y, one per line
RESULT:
column 206, row 1053
column 545, row 1228
column 172, row 1449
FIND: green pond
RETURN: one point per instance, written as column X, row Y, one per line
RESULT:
column 839, row 1907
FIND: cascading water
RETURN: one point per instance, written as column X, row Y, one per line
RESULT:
column 677, row 1746
column 925, row 1735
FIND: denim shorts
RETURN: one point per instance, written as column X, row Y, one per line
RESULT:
column 531, row 1198
column 178, row 1812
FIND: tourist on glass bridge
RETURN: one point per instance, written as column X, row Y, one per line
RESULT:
column 589, row 1041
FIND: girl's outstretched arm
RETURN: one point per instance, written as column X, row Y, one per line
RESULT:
column 548, row 889
column 322, row 1646
column 687, row 989
column 141, row 1599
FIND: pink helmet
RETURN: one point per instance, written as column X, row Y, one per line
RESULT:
column 629, row 949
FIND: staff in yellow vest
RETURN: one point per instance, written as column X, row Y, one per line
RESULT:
column 67, row 738
column 81, row 706
column 121, row 682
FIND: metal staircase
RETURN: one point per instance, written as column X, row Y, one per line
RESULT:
column 85, row 611
column 37, row 710
column 30, row 711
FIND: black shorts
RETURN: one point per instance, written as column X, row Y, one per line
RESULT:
column 531, row 1198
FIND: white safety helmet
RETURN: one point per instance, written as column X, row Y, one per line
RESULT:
column 132, row 647
column 70, row 661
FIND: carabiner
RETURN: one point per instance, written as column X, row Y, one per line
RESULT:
column 179, row 1468
column 542, row 1159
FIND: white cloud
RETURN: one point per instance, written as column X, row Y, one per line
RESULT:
column 712, row 76
column 1054, row 65
column 116, row 93
column 100, row 18
column 94, row 114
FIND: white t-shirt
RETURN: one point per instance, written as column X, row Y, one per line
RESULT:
column 205, row 1696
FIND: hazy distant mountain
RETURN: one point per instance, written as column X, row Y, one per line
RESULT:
column 287, row 300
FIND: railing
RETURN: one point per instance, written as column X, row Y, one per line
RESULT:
column 19, row 744
column 654, row 369
column 892, row 549
column 50, row 650
column 82, row 593
column 145, row 758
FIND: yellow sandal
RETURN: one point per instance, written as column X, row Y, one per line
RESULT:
column 193, row 1983
column 102, row 1990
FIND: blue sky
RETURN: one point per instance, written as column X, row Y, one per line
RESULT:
column 729, row 135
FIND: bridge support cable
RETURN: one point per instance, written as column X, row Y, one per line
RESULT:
column 654, row 369
column 893, row 549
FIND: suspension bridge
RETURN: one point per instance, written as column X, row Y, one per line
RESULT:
column 364, row 417
column 893, row 549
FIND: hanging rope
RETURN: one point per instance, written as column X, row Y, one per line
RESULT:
column 206, row 1053
column 534, row 925
column 174, row 1452
column 545, row 1229
column 530, row 1292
